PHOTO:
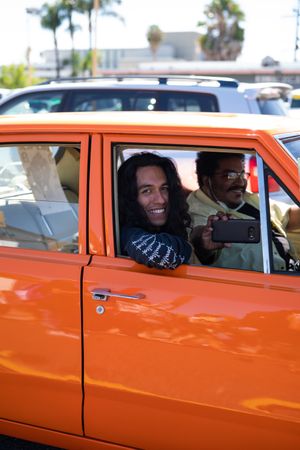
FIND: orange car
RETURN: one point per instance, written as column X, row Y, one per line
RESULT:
column 100, row 352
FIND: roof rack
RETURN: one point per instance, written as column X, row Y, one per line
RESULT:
column 162, row 79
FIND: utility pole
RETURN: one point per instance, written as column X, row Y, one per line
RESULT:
column 30, row 12
column 297, row 12
column 95, row 52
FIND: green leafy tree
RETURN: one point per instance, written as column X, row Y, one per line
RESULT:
column 15, row 76
column 222, row 36
column 76, row 61
column 52, row 17
column 87, row 62
column 154, row 37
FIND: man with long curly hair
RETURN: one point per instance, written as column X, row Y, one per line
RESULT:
column 153, row 212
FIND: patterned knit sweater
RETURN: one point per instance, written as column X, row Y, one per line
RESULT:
column 159, row 250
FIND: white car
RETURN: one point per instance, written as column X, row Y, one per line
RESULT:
column 294, row 103
column 149, row 93
column 4, row 92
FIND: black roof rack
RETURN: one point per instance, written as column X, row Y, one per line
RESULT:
column 162, row 79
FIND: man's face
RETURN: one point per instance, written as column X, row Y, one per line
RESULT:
column 153, row 194
column 228, row 184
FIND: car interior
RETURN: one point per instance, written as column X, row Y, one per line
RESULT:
column 39, row 199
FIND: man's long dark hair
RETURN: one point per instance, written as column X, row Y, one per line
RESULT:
column 131, row 213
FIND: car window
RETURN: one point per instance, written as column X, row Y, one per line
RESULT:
column 144, row 101
column 174, row 101
column 39, row 196
column 96, row 101
column 295, row 103
column 184, row 101
column 280, row 203
column 292, row 145
column 276, row 107
column 247, row 256
column 41, row 102
column 140, row 100
column 113, row 100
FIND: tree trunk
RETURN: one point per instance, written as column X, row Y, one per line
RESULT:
column 56, row 55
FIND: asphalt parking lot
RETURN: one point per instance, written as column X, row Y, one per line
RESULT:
column 8, row 443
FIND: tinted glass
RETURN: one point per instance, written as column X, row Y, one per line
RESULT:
column 295, row 103
column 42, row 102
column 138, row 100
column 184, row 101
column 292, row 144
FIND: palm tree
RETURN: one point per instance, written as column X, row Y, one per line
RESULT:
column 69, row 7
column 154, row 37
column 87, row 7
column 52, row 17
column 223, row 36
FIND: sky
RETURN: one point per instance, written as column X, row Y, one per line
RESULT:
column 270, row 27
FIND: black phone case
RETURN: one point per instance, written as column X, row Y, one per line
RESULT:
column 236, row 230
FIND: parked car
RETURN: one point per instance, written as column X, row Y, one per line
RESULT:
column 294, row 103
column 149, row 93
column 4, row 92
column 100, row 352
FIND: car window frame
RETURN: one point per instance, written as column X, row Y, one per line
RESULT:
column 59, row 138
column 109, row 140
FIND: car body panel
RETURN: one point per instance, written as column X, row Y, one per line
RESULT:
column 176, row 302
column 40, row 313
column 207, row 358
column 40, row 325
column 228, row 356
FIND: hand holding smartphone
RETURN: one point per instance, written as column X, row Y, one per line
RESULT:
column 245, row 231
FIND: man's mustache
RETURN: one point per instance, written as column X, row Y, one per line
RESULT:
column 234, row 188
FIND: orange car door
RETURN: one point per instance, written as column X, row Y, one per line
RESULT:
column 42, row 254
column 193, row 358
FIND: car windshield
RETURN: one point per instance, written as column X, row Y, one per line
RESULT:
column 292, row 145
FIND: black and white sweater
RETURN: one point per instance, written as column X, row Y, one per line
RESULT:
column 159, row 250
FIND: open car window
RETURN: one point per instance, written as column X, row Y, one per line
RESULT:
column 245, row 256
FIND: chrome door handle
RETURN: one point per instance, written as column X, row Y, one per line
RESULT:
column 102, row 294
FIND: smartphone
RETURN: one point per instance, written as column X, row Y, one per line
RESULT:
column 245, row 231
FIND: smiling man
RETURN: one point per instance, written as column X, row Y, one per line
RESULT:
column 153, row 212
column 222, row 193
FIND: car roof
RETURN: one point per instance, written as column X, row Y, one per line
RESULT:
column 161, row 121
column 157, row 83
column 130, row 82
column 137, row 80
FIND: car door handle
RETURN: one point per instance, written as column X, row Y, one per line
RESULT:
column 102, row 294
